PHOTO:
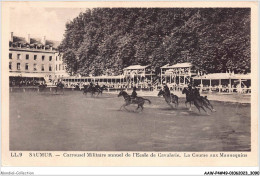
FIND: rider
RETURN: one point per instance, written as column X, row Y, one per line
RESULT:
column 167, row 91
column 97, row 87
column 190, row 88
column 134, row 94
column 91, row 84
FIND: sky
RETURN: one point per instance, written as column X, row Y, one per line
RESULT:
column 39, row 22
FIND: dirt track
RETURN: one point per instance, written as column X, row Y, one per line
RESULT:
column 45, row 121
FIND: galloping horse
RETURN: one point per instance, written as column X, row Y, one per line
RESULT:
column 204, row 99
column 88, row 88
column 59, row 86
column 128, row 100
column 93, row 89
column 191, row 96
column 169, row 99
column 100, row 89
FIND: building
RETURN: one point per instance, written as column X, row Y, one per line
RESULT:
column 178, row 74
column 34, row 60
column 140, row 76
column 223, row 82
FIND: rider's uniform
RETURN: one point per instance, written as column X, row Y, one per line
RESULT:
column 167, row 92
column 133, row 95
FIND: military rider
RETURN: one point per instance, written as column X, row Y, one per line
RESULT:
column 134, row 94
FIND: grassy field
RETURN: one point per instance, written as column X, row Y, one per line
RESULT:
column 74, row 122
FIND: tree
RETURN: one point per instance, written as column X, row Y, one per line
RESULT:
column 104, row 41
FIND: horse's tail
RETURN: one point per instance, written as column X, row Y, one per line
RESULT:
column 148, row 101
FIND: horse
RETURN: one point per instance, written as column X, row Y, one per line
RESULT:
column 92, row 89
column 100, row 89
column 204, row 99
column 128, row 100
column 59, row 86
column 207, row 104
column 88, row 88
column 169, row 99
column 191, row 96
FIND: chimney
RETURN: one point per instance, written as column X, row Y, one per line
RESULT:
column 28, row 39
column 44, row 40
column 12, row 37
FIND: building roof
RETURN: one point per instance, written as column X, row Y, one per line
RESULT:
column 178, row 65
column 95, row 77
column 35, row 41
column 224, row 76
column 135, row 67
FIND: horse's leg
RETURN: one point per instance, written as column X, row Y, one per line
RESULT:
column 125, row 106
column 137, row 108
column 211, row 107
column 197, row 106
column 122, row 106
column 190, row 106
column 169, row 104
column 186, row 103
column 200, row 106
column 204, row 110
column 142, row 106
column 206, row 105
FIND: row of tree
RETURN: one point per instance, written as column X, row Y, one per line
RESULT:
column 104, row 41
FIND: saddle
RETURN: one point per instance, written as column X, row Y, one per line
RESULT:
column 132, row 99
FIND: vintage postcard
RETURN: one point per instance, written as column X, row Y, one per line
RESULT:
column 129, row 84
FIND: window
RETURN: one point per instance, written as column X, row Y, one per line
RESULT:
column 56, row 67
column 10, row 56
column 50, row 68
column 10, row 65
column 34, row 67
column 18, row 66
column 27, row 56
column 26, row 66
column 42, row 67
column 56, row 58
column 19, row 56
column 59, row 66
column 35, row 57
column 50, row 58
column 43, row 57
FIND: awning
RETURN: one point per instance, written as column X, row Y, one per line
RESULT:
column 223, row 76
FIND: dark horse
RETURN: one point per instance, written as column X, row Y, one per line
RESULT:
column 90, row 89
column 100, row 89
column 59, row 86
column 93, row 89
column 128, row 100
column 199, row 101
column 169, row 99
